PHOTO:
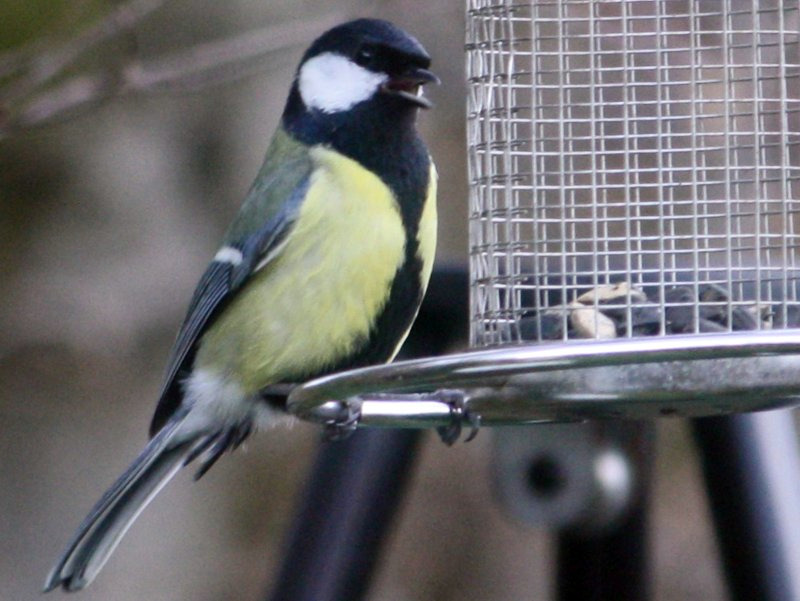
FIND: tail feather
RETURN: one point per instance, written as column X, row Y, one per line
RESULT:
column 114, row 513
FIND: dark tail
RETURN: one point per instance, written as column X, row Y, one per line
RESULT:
column 114, row 513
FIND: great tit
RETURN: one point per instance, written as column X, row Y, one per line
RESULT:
column 323, row 269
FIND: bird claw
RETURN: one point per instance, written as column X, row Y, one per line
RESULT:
column 459, row 414
column 214, row 445
column 343, row 425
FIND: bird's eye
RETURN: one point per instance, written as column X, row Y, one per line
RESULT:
column 364, row 56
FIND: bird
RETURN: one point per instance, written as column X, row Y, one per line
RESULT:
column 323, row 269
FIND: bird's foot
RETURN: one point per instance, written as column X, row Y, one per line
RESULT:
column 342, row 426
column 214, row 445
column 459, row 414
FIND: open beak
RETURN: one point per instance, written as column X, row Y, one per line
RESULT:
column 409, row 86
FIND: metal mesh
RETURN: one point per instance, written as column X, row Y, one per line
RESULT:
column 654, row 143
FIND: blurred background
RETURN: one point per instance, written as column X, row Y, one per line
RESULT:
column 119, row 172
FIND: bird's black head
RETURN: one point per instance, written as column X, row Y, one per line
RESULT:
column 361, row 73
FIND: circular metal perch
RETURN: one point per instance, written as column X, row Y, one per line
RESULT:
column 686, row 375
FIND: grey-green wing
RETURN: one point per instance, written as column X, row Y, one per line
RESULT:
column 263, row 222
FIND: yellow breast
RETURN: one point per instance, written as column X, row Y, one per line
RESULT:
column 319, row 297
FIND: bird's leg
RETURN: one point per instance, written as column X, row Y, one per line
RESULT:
column 217, row 443
column 275, row 395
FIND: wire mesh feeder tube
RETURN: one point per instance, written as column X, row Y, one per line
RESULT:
column 651, row 144
column 634, row 175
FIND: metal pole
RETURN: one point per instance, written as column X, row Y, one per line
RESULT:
column 607, row 567
column 612, row 564
column 751, row 465
column 353, row 492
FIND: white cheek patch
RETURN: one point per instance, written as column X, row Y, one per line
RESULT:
column 332, row 83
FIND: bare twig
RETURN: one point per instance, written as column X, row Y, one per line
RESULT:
column 49, row 64
column 210, row 63
column 201, row 66
column 78, row 92
column 18, row 59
